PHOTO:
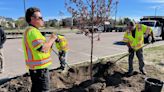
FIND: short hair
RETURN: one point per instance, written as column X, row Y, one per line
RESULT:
column 131, row 23
column 30, row 12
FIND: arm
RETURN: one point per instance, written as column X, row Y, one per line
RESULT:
column 3, row 37
column 125, row 39
column 47, row 45
column 38, row 42
column 151, row 34
column 128, row 45
column 149, row 31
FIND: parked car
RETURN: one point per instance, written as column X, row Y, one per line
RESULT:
column 156, row 27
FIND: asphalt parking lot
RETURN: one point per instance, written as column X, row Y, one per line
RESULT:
column 109, row 45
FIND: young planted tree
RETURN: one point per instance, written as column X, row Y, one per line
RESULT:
column 89, row 13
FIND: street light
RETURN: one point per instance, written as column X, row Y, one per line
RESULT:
column 155, row 10
column 24, row 2
column 116, row 12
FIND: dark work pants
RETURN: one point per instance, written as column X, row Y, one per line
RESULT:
column 139, row 54
column 40, row 80
column 1, row 60
column 62, row 58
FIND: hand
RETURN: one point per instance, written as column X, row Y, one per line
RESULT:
column 53, row 36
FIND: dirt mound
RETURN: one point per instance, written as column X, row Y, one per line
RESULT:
column 107, row 77
column 17, row 84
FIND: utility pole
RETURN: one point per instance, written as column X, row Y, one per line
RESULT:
column 116, row 13
column 155, row 10
column 109, row 6
column 24, row 2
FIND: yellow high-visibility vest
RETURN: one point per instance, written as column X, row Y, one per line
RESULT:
column 62, row 44
column 137, row 42
column 32, row 40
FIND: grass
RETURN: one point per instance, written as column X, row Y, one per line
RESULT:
column 152, row 58
column 154, row 54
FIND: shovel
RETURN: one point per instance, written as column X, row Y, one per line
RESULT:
column 125, row 56
column 70, row 69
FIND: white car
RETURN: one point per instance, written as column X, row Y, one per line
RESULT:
column 156, row 27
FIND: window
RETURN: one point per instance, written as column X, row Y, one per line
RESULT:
column 151, row 24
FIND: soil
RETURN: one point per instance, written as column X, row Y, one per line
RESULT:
column 107, row 77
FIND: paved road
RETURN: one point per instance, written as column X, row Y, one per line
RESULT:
column 79, row 51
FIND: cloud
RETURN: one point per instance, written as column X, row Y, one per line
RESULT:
column 135, row 18
column 46, row 18
column 154, row 1
column 156, row 7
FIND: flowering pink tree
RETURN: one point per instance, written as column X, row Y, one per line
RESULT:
column 89, row 12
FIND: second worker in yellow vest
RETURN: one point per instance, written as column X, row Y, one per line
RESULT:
column 62, row 46
column 134, row 37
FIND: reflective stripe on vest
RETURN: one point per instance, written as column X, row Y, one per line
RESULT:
column 38, row 62
column 30, row 61
column 29, row 52
column 137, row 42
column 37, row 42
column 139, row 27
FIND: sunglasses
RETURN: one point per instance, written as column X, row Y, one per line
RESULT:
column 38, row 18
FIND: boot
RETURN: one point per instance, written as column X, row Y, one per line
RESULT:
column 143, row 72
column 130, row 73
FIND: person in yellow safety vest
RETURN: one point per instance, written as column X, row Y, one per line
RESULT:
column 134, row 37
column 37, row 51
column 62, row 46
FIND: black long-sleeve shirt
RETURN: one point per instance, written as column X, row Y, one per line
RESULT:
column 2, row 38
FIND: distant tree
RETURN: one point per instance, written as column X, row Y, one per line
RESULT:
column 126, row 20
column 91, row 12
column 120, row 22
column 47, row 24
column 75, row 22
column 21, row 23
column 51, row 23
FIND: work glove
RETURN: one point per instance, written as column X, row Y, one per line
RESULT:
column 153, row 40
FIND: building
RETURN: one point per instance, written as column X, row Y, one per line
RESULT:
column 7, row 22
column 67, row 22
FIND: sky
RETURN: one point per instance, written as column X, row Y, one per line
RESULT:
column 50, row 9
